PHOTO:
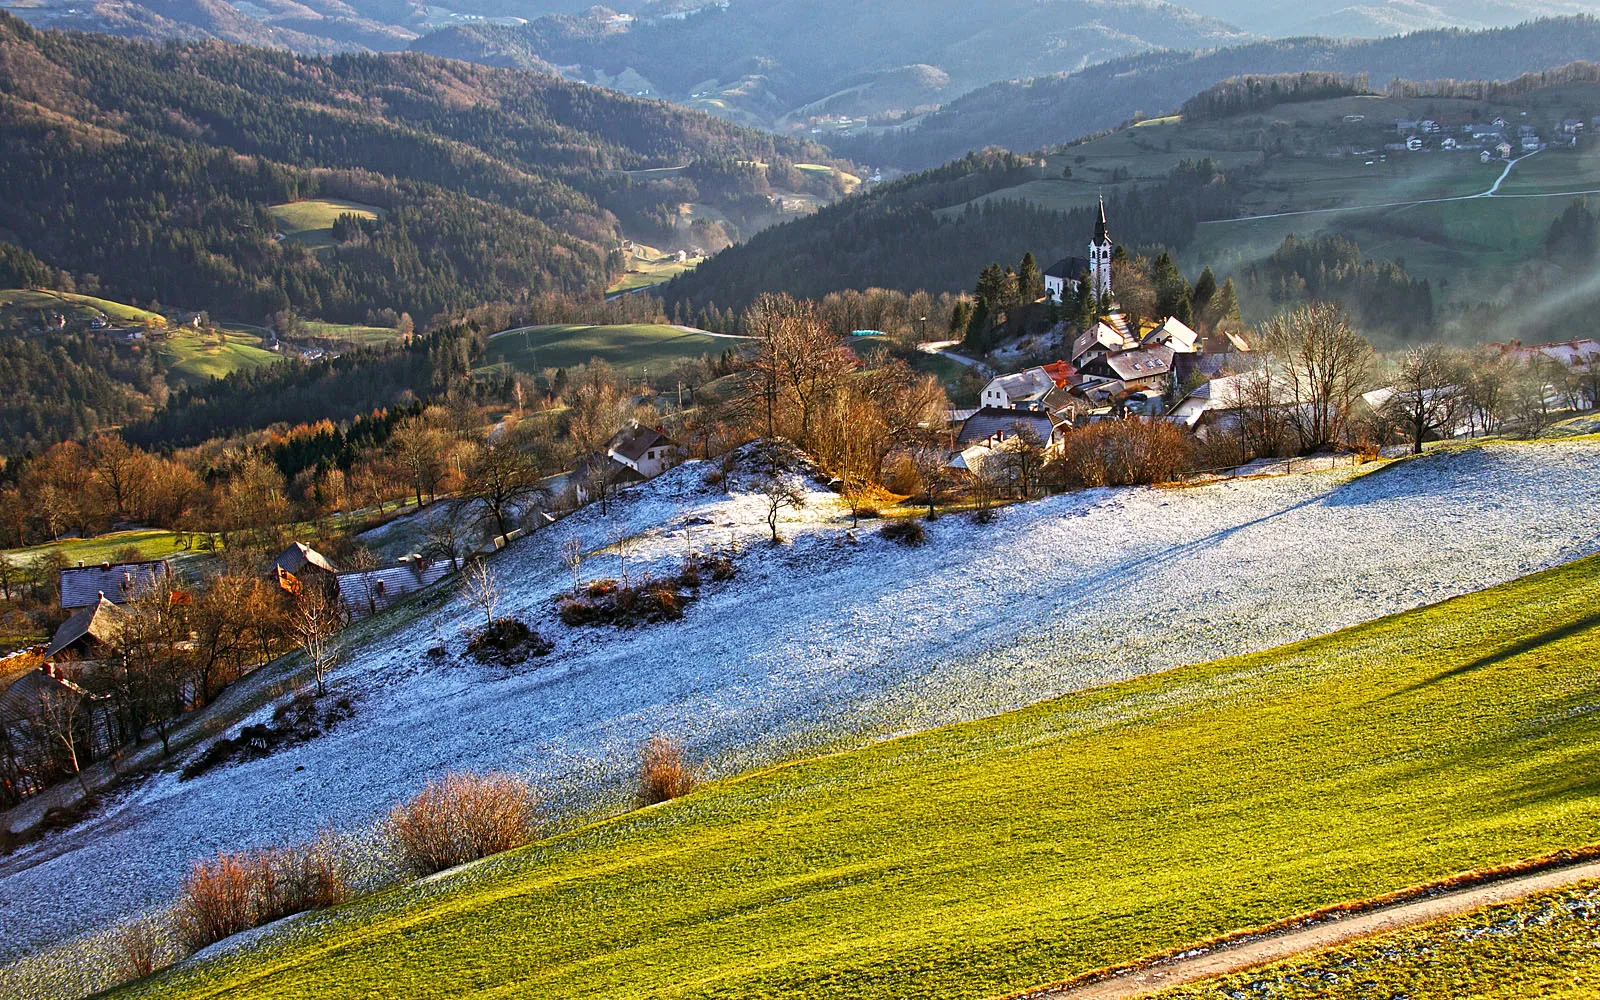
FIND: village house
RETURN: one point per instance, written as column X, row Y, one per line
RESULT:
column 300, row 564
column 367, row 592
column 1032, row 385
column 1135, row 370
column 39, row 712
column 646, row 450
column 83, row 586
column 88, row 632
column 1576, row 355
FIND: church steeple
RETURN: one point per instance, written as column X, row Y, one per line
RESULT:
column 1100, row 256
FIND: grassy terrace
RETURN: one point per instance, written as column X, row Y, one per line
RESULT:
column 989, row 857
column 1543, row 946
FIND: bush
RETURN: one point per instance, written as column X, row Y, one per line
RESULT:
column 296, row 721
column 606, row 602
column 906, row 531
column 235, row 892
column 507, row 643
column 664, row 772
column 461, row 818
column 140, row 949
column 1125, row 453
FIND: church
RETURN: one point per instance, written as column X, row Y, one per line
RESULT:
column 1061, row 279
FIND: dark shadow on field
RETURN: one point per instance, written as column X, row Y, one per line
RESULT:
column 1418, row 475
column 1518, row 648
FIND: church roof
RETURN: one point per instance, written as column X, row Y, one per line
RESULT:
column 1101, row 232
column 1068, row 268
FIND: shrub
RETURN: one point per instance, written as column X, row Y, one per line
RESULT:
column 906, row 531
column 664, row 772
column 507, row 643
column 296, row 721
column 461, row 818
column 1125, row 453
column 238, row 891
column 140, row 949
column 606, row 602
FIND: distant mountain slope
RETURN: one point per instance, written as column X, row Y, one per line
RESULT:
column 1032, row 114
column 1377, row 18
column 150, row 171
column 767, row 60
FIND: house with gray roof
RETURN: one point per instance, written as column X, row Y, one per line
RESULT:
column 646, row 450
column 368, row 592
column 88, row 631
column 992, row 425
column 119, row 583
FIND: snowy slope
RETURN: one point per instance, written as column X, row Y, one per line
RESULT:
column 827, row 639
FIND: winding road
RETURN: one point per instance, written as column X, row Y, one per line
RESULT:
column 1251, row 952
column 1493, row 191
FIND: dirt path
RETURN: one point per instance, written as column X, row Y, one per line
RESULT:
column 1274, row 947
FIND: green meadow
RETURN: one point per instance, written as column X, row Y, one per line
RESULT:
column 993, row 856
column 311, row 221
column 198, row 355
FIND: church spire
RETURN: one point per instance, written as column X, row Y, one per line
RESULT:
column 1101, row 233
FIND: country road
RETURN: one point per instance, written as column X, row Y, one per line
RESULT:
column 1493, row 191
column 1252, row 952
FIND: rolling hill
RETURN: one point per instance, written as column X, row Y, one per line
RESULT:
column 1225, row 190
column 164, row 172
column 1030, row 114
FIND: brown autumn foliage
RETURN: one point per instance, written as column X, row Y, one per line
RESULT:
column 664, row 771
column 235, row 892
column 461, row 818
column 1124, row 453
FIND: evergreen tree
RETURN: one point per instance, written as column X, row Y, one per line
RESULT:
column 1030, row 285
column 1204, row 289
column 1087, row 310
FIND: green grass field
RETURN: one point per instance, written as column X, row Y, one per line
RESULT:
column 349, row 333
column 652, row 268
column 632, row 348
column 74, row 307
column 153, row 543
column 993, row 856
column 311, row 221
column 1545, row 946
column 194, row 355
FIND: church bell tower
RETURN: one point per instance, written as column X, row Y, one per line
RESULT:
column 1100, row 256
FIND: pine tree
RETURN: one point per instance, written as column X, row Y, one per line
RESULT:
column 1029, row 284
column 1204, row 289
column 1087, row 310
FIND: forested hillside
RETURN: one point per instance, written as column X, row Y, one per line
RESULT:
column 935, row 230
column 1031, row 114
column 789, row 63
column 148, row 173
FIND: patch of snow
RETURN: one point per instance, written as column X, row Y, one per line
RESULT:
column 826, row 639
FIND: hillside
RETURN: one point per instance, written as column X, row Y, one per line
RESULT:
column 823, row 643
column 181, row 155
column 1031, row 114
column 798, row 65
column 1273, row 167
column 1000, row 854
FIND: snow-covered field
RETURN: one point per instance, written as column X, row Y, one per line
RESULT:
column 827, row 639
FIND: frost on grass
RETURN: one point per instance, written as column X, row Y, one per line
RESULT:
column 822, row 642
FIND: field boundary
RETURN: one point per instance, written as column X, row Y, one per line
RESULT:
column 1422, row 903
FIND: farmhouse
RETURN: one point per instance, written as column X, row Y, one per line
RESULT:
column 368, row 592
column 85, row 586
column 1135, row 370
column 40, row 712
column 88, row 632
column 992, row 425
column 1029, row 386
column 646, row 450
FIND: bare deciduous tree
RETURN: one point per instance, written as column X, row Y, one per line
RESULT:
column 483, row 590
column 1323, row 366
column 572, row 559
column 780, row 495
column 1428, row 389
column 315, row 624
column 501, row 478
